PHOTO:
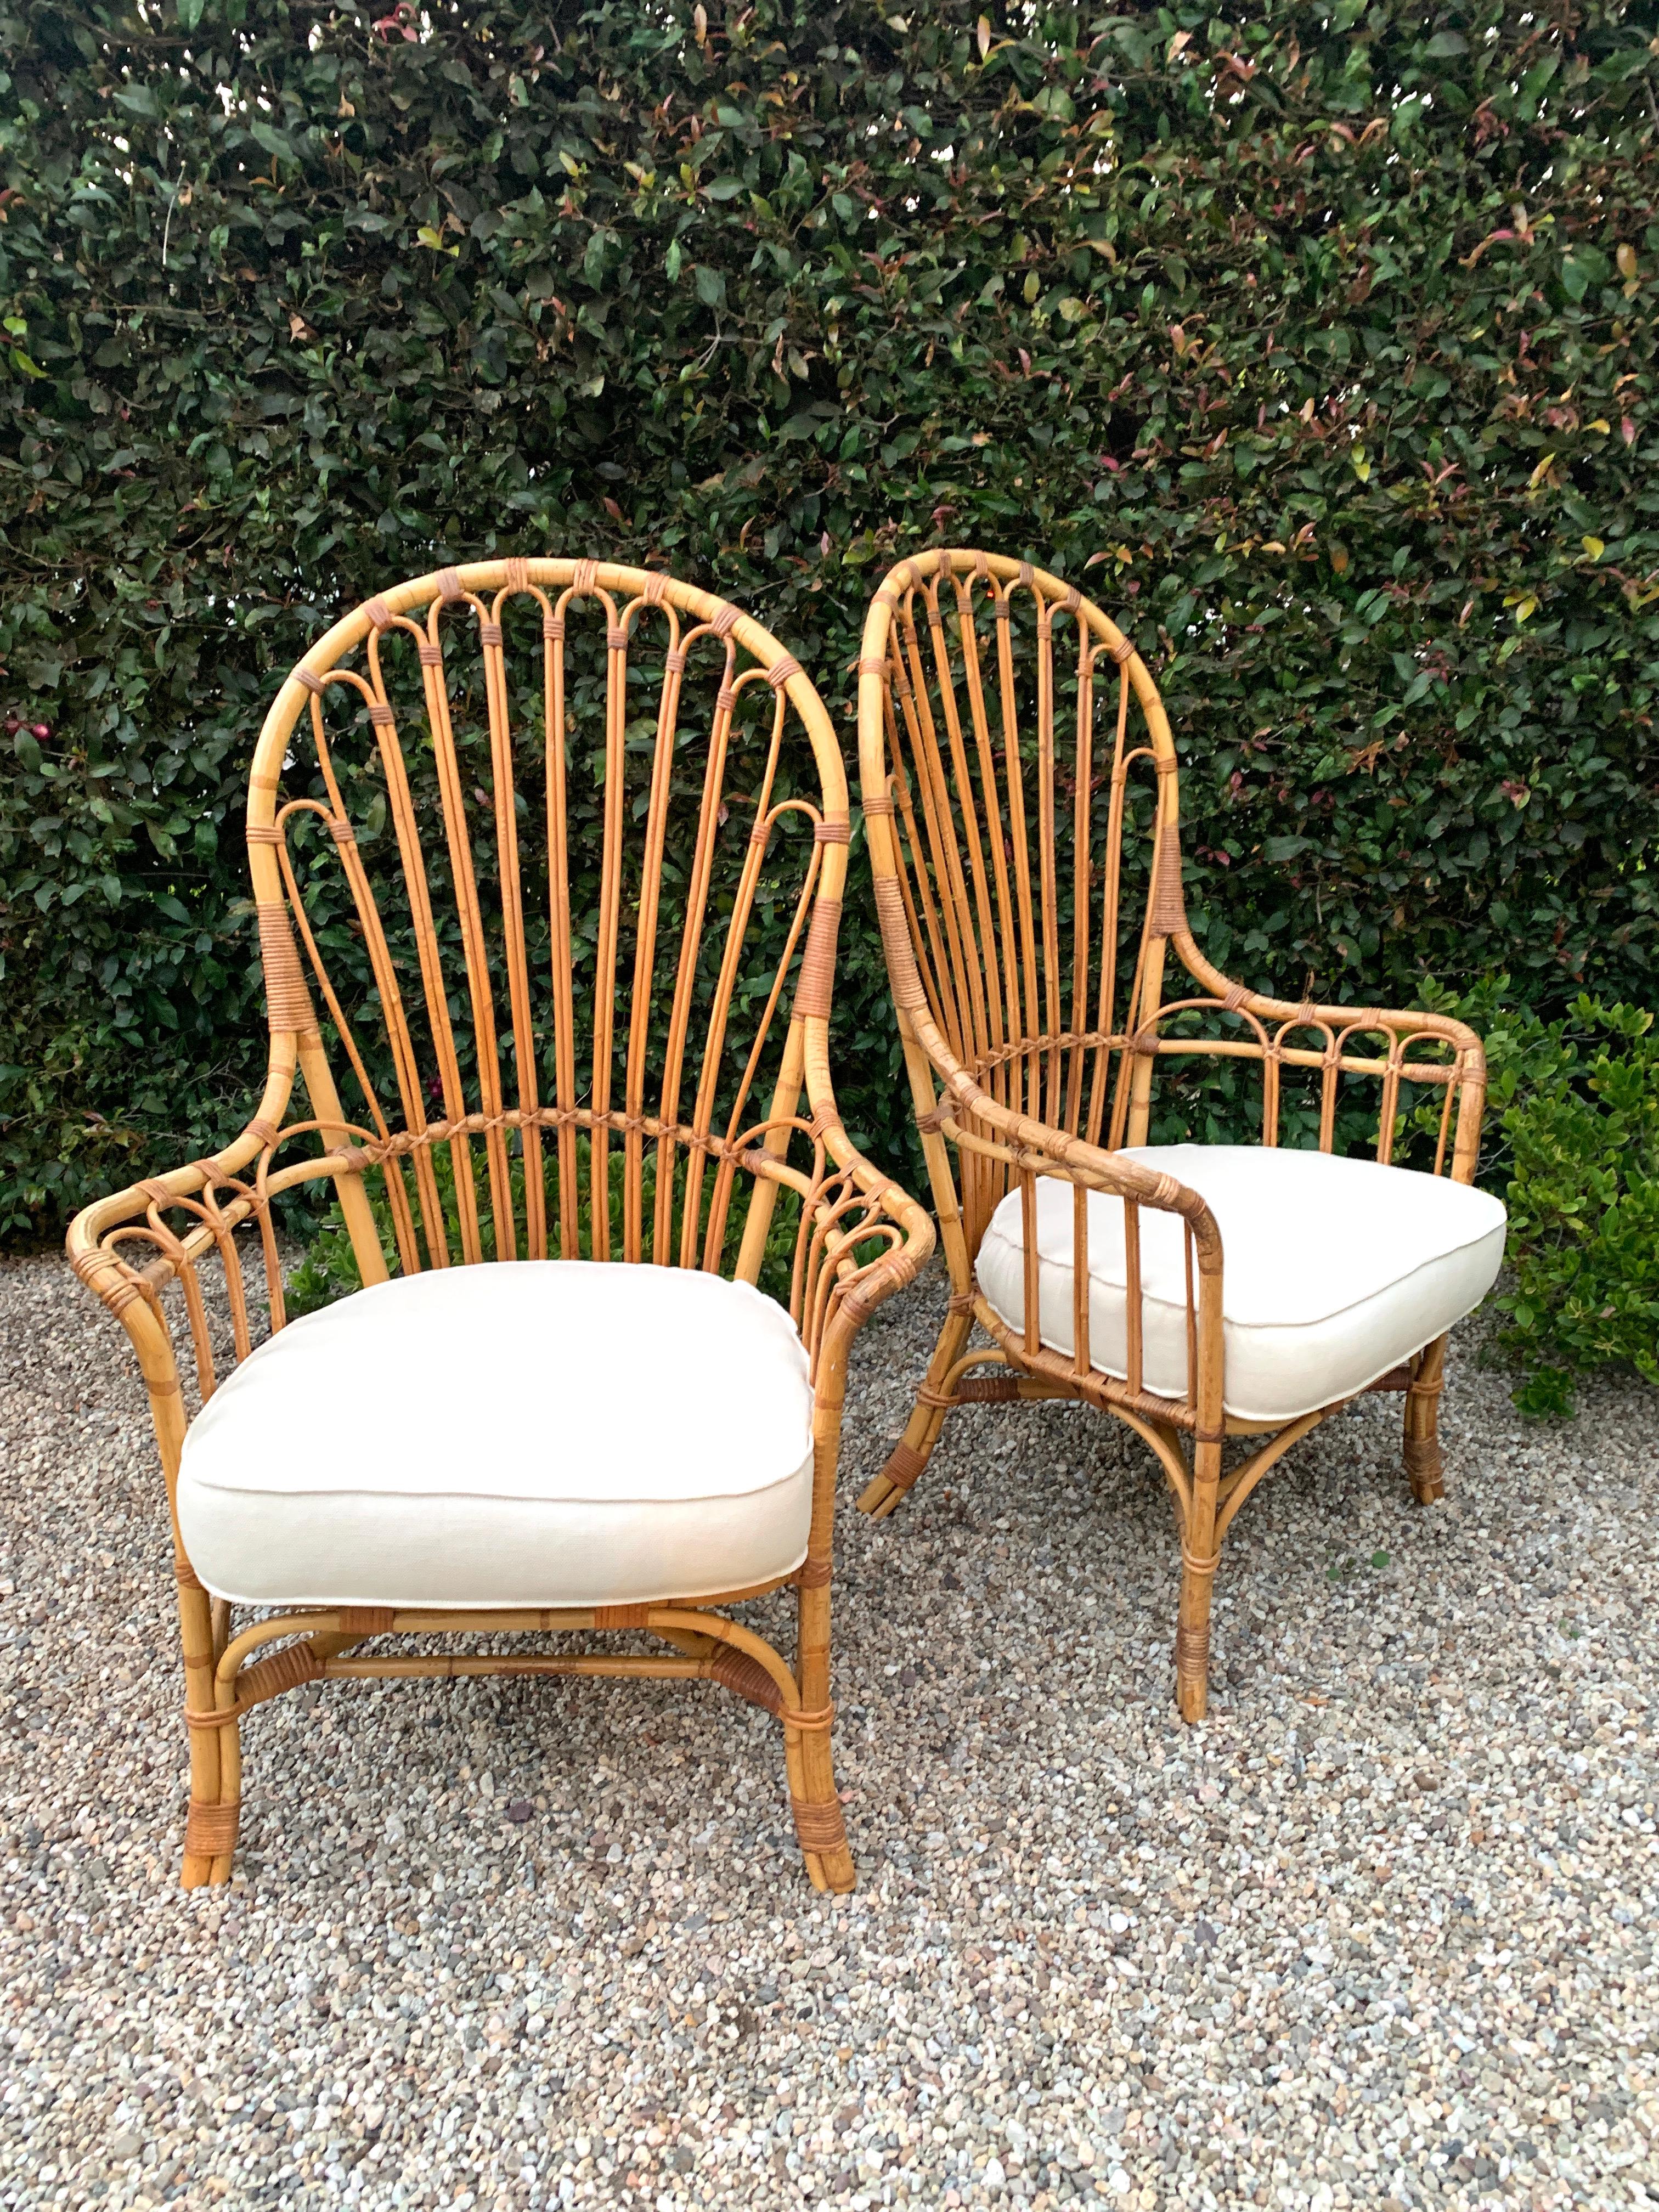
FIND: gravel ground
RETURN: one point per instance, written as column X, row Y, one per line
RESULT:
column 1380, row 1934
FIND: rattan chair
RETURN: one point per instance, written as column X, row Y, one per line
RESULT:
column 1011, row 866
column 563, row 844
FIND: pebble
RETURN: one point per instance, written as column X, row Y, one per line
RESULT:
column 1380, row 1933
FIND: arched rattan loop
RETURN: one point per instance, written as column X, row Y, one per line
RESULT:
column 487, row 1067
column 1021, row 797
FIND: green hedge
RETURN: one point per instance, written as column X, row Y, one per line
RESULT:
column 1321, row 346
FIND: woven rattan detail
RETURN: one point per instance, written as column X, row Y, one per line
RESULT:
column 820, row 1827
column 875, row 668
column 210, row 1831
column 622, row 1616
column 817, row 962
column 988, row 1390
column 960, row 1302
column 896, row 940
column 723, row 621
column 378, row 613
column 656, row 588
column 431, row 656
column 1123, row 652
column 903, row 1466
column 449, row 585
column 284, row 1670
column 814, row 1574
column 380, row 714
column 1196, row 1563
column 880, row 803
column 489, row 632
column 1191, row 1648
column 184, row 1574
column 366, row 1619
column 1423, row 1455
column 226, row 1716
column 1168, row 916
column 616, row 637
column 263, row 833
column 586, row 576
column 518, row 574
column 287, row 999
column 313, row 684
column 674, row 661
column 835, row 831
column 780, row 671
column 738, row 1672
column 818, row 1721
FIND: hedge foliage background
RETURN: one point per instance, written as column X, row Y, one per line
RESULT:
column 1319, row 338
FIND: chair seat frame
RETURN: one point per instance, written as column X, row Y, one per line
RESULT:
column 968, row 878
column 144, row 1251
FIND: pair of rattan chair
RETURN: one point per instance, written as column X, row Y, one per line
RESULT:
column 561, row 924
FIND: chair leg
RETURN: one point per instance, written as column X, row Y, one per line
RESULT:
column 815, row 1803
column 911, row 1454
column 215, row 1766
column 1425, row 1466
column 813, row 1796
column 1200, row 1558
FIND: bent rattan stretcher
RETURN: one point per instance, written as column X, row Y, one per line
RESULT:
column 1035, row 1017
column 565, row 924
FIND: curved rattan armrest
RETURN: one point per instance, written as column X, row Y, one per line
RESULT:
column 1411, row 1022
column 882, row 1203
column 1037, row 1147
column 214, row 1189
column 1464, row 1077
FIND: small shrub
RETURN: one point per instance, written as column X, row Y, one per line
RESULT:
column 1573, row 1148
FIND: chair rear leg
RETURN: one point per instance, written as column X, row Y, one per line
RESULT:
column 1424, row 1465
column 911, row 1454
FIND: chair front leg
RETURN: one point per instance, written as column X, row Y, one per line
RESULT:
column 1424, row 1465
column 813, row 1796
column 212, row 1820
column 911, row 1454
column 1200, row 1558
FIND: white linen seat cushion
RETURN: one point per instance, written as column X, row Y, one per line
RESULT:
column 543, row 1433
column 1334, row 1271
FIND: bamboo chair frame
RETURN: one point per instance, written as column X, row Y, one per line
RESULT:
column 859, row 1237
column 1033, row 1035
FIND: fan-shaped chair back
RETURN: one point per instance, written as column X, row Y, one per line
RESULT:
column 1032, row 884
column 549, row 859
